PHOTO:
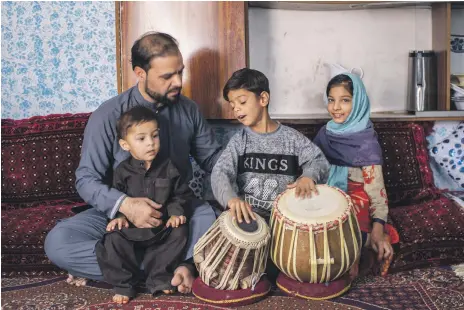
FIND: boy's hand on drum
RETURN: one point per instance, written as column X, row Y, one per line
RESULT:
column 241, row 209
column 174, row 221
column 380, row 243
column 305, row 187
column 118, row 222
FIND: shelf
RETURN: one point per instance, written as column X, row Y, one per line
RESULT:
column 398, row 116
column 335, row 5
column 387, row 116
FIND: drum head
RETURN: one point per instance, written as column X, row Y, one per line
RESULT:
column 231, row 229
column 330, row 204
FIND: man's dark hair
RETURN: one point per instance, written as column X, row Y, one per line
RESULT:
column 136, row 115
column 340, row 80
column 249, row 79
column 152, row 45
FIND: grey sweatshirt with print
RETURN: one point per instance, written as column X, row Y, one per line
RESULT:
column 258, row 167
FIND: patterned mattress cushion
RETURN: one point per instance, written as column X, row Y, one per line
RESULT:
column 431, row 233
column 40, row 156
column 24, row 228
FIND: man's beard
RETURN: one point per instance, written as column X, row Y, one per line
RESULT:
column 162, row 100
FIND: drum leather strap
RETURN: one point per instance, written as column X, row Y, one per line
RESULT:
column 324, row 260
column 228, row 271
column 295, row 246
column 208, row 271
column 274, row 234
column 201, row 244
column 353, row 235
column 258, row 269
column 213, row 254
column 312, row 255
column 290, row 252
column 328, row 259
column 237, row 274
column 279, row 232
column 344, row 249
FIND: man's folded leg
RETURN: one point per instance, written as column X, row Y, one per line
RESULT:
column 71, row 244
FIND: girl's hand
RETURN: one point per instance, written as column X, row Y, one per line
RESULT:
column 305, row 187
column 175, row 221
column 239, row 209
column 118, row 222
column 381, row 243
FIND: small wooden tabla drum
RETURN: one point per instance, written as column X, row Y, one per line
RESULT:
column 228, row 257
column 317, row 239
column 231, row 259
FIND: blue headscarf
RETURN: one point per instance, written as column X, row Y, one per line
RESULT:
column 354, row 142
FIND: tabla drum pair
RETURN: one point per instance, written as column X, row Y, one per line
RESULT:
column 314, row 242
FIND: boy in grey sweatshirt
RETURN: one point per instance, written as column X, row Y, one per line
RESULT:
column 264, row 158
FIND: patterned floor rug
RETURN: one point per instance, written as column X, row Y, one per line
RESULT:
column 431, row 288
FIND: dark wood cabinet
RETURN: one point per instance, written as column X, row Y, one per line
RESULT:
column 211, row 36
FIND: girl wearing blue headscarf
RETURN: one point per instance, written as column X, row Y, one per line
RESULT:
column 350, row 144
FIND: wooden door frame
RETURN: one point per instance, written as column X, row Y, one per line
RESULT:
column 117, row 14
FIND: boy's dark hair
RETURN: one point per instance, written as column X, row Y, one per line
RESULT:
column 152, row 45
column 136, row 115
column 341, row 80
column 249, row 79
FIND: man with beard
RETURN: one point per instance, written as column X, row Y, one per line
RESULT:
column 158, row 65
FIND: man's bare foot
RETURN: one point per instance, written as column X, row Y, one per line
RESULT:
column 77, row 281
column 183, row 280
column 120, row 299
column 168, row 292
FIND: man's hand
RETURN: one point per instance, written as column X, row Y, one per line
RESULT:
column 142, row 212
column 174, row 221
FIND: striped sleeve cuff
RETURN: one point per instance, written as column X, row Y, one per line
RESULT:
column 116, row 206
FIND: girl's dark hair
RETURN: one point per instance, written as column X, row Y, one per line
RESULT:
column 152, row 45
column 340, row 80
column 136, row 115
column 249, row 79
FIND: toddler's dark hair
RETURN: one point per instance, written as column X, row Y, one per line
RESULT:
column 137, row 115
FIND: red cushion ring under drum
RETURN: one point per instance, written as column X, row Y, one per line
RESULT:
column 230, row 298
column 314, row 291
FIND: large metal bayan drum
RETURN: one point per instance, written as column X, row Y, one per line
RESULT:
column 233, row 256
column 317, row 239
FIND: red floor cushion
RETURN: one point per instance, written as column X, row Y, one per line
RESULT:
column 431, row 233
column 24, row 228
column 40, row 156
column 231, row 298
column 314, row 291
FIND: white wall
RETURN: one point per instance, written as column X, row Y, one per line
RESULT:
column 457, row 27
column 290, row 47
